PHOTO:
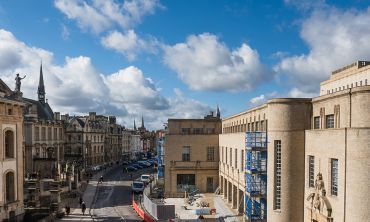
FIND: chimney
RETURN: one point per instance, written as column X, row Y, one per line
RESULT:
column 92, row 115
column 112, row 119
column 57, row 116
column 65, row 117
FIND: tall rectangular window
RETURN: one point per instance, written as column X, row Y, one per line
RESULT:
column 236, row 158
column 311, row 171
column 49, row 134
column 186, row 153
column 277, row 187
column 226, row 156
column 329, row 121
column 43, row 133
column 37, row 133
column 316, row 122
column 231, row 157
column 222, row 154
column 210, row 154
column 334, row 177
column 55, row 133
column 242, row 160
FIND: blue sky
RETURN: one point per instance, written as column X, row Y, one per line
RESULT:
column 177, row 59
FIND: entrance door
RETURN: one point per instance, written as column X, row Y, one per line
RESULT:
column 210, row 188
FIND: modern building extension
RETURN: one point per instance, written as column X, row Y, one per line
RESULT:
column 191, row 160
column 318, row 153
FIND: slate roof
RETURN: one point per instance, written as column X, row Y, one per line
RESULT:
column 44, row 112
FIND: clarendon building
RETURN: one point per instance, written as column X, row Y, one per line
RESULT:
column 11, row 154
column 298, row 159
column 191, row 160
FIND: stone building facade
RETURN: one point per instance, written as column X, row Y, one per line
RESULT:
column 114, row 144
column 11, row 152
column 318, row 153
column 191, row 160
column 337, row 149
column 44, row 136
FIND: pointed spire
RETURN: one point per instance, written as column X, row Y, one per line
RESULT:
column 41, row 88
column 134, row 124
column 218, row 113
column 142, row 122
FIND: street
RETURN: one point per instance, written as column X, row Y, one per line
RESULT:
column 113, row 199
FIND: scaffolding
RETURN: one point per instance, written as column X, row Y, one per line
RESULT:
column 160, row 154
column 256, row 176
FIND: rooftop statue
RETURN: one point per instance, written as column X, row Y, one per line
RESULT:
column 18, row 82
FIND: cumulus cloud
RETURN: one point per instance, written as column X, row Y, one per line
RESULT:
column 77, row 87
column 335, row 38
column 100, row 15
column 205, row 63
column 129, row 44
column 261, row 99
column 130, row 85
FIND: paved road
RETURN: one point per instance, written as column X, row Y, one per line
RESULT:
column 113, row 200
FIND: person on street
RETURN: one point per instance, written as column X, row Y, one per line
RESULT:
column 81, row 201
column 83, row 207
column 68, row 209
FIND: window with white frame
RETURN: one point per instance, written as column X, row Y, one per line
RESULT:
column 316, row 122
column 277, row 187
column 186, row 153
column 329, row 121
column 311, row 171
column 334, row 177
column 210, row 154
column 236, row 158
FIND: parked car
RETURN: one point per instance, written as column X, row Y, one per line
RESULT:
column 125, row 163
column 146, row 163
column 130, row 168
column 137, row 186
column 142, row 164
column 137, row 166
column 145, row 178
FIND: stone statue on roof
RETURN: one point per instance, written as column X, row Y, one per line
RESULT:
column 18, row 82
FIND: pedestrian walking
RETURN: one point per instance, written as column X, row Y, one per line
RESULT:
column 68, row 209
column 81, row 200
column 83, row 207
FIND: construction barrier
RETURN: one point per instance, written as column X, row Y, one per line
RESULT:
column 141, row 212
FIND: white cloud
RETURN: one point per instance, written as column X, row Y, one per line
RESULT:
column 129, row 85
column 100, row 15
column 77, row 87
column 258, row 99
column 261, row 99
column 65, row 32
column 86, row 16
column 129, row 44
column 335, row 38
column 204, row 63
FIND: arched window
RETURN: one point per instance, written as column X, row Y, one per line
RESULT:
column 9, row 144
column 10, row 192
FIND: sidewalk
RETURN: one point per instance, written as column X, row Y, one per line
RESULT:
column 185, row 212
column 88, row 197
column 224, row 212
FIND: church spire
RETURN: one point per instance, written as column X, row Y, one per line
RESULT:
column 134, row 124
column 218, row 114
column 41, row 88
column 142, row 122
